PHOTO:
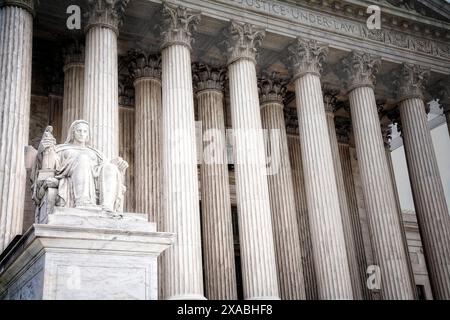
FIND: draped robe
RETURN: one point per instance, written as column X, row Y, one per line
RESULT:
column 78, row 170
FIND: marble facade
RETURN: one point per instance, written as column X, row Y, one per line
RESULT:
column 145, row 74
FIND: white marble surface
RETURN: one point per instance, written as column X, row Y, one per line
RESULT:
column 85, row 255
column 16, row 37
column 96, row 218
column 182, row 264
column 378, row 194
column 282, row 203
column 428, row 192
column 327, row 234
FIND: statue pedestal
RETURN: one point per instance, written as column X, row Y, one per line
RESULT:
column 84, row 254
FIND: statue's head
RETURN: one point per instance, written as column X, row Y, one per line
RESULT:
column 79, row 133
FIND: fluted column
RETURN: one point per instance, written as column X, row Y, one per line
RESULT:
column 386, row 132
column 101, row 106
column 146, row 72
column 309, row 274
column 429, row 199
column 126, row 150
column 377, row 186
column 259, row 271
column 327, row 235
column 73, row 98
column 343, row 139
column 218, row 246
column 358, row 280
column 16, row 34
column 182, row 263
column 281, row 191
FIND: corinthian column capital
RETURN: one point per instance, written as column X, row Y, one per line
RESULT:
column 208, row 77
column 28, row 5
column 179, row 24
column 307, row 56
column 73, row 54
column 361, row 69
column 443, row 94
column 329, row 98
column 144, row 65
column 343, row 128
column 394, row 117
column 243, row 41
column 272, row 88
column 411, row 81
column 106, row 13
column 386, row 131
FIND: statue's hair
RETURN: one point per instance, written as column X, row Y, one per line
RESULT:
column 70, row 134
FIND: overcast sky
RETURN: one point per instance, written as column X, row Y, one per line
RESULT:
column 441, row 142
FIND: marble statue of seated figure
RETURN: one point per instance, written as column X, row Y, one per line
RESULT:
column 84, row 178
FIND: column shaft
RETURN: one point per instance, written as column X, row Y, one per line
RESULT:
column 355, row 223
column 73, row 95
column 182, row 262
column 330, row 257
column 362, row 210
column 101, row 106
column 16, row 33
column 218, row 246
column 378, row 194
column 126, row 150
column 281, row 192
column 259, row 269
column 400, row 218
column 147, row 144
column 309, row 273
column 350, row 241
column 429, row 199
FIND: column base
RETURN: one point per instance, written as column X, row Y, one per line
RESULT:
column 188, row 297
column 82, row 254
column 264, row 298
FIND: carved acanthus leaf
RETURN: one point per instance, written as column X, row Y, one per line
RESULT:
column 106, row 13
column 443, row 94
column 343, row 129
column 207, row 77
column 73, row 52
column 329, row 98
column 307, row 56
column 179, row 25
column 144, row 65
column 272, row 88
column 361, row 69
column 386, row 131
column 411, row 81
column 126, row 91
column 243, row 41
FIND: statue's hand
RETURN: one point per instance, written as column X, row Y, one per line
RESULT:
column 47, row 143
column 121, row 164
column 48, row 140
column 51, row 183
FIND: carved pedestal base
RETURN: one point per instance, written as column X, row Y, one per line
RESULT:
column 84, row 254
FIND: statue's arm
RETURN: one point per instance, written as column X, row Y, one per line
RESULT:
column 46, row 151
column 121, row 164
column 42, row 176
